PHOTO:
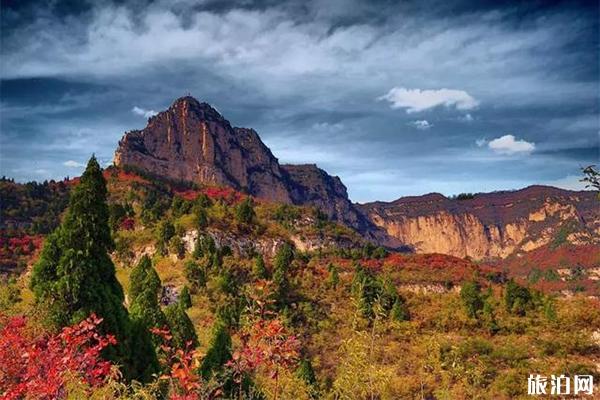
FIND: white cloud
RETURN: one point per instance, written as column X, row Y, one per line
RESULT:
column 422, row 124
column 509, row 145
column 481, row 142
column 415, row 100
column 73, row 164
column 327, row 127
column 466, row 118
column 143, row 112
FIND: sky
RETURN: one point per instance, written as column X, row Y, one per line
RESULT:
column 396, row 98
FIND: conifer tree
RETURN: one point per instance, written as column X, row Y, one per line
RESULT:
column 259, row 270
column 75, row 276
column 306, row 372
column 470, row 293
column 281, row 263
column 334, row 276
column 219, row 351
column 184, row 298
column 145, row 286
column 244, row 212
column 180, row 325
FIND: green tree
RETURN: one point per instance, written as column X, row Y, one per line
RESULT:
column 517, row 298
column 180, row 325
column 195, row 274
column 201, row 218
column 164, row 233
column 259, row 270
column 470, row 293
column 75, row 276
column 177, row 246
column 219, row 351
column 306, row 372
column 185, row 298
column 334, row 276
column 244, row 212
column 281, row 263
column 400, row 310
column 144, row 290
column 204, row 246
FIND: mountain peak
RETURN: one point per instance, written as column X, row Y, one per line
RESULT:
column 189, row 105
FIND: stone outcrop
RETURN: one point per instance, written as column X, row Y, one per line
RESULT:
column 490, row 225
column 192, row 142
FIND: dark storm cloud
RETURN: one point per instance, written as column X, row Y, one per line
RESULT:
column 395, row 97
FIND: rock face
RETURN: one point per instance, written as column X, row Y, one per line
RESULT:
column 490, row 225
column 192, row 142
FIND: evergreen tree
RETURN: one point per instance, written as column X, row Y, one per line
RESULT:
column 334, row 276
column 259, row 270
column 281, row 264
column 195, row 274
column 180, row 325
column 517, row 298
column 244, row 212
column 470, row 293
column 219, row 351
column 75, row 276
column 400, row 310
column 201, row 218
column 306, row 372
column 184, row 298
column 164, row 233
column 145, row 286
column 177, row 246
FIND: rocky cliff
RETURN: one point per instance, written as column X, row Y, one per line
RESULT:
column 493, row 224
column 191, row 141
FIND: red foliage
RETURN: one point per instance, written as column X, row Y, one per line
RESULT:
column 268, row 345
column 127, row 224
column 36, row 366
column 182, row 365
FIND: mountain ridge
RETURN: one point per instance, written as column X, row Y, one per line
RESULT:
column 191, row 141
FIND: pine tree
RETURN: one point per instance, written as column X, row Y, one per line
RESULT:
column 145, row 311
column 470, row 293
column 244, row 212
column 75, row 276
column 334, row 276
column 219, row 351
column 201, row 218
column 182, row 328
column 259, row 270
column 164, row 233
column 306, row 372
column 281, row 264
column 184, row 298
column 399, row 310
column 145, row 286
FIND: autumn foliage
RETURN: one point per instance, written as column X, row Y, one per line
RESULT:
column 39, row 365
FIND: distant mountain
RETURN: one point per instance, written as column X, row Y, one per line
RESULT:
column 191, row 141
column 491, row 224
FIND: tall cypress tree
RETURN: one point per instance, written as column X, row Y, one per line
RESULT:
column 75, row 275
column 219, row 351
column 182, row 328
column 146, row 313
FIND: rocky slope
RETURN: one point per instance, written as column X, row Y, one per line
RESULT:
column 192, row 142
column 493, row 224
